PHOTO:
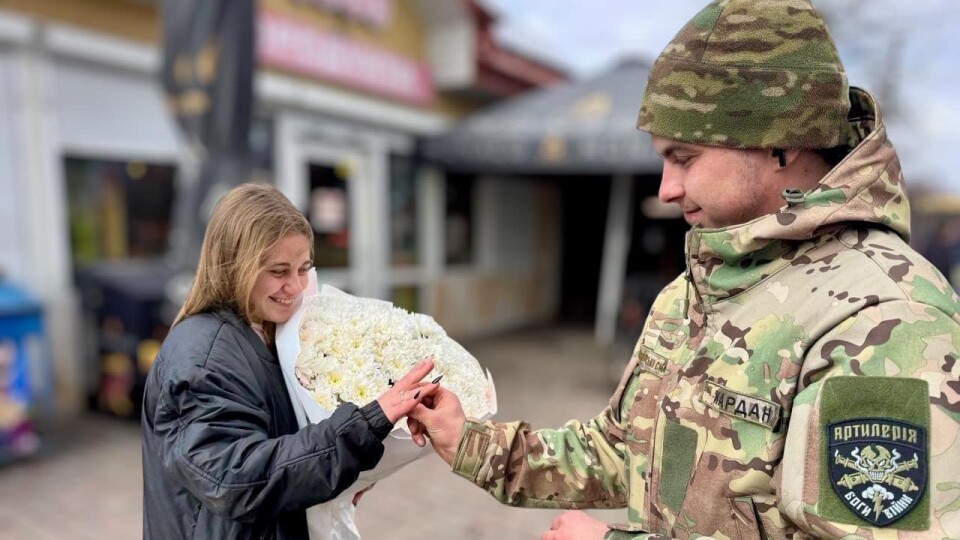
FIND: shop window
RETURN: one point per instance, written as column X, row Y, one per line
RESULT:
column 118, row 210
column 329, row 214
column 403, row 211
column 460, row 225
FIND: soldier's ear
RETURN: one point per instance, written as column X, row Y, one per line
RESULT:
column 780, row 154
column 785, row 157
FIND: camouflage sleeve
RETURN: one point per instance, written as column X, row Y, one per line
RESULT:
column 632, row 533
column 873, row 442
column 576, row 466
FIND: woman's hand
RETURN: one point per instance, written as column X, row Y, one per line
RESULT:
column 408, row 392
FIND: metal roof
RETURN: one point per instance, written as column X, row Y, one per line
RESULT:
column 579, row 127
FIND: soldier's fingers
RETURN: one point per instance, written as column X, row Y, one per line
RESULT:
column 416, row 432
column 419, row 413
column 423, row 415
column 419, row 440
column 429, row 400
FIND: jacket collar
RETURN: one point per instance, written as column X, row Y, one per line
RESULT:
column 249, row 334
column 865, row 188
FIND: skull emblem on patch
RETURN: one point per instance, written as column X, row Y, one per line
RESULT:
column 877, row 466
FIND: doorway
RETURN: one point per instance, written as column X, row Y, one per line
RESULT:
column 329, row 215
column 584, row 203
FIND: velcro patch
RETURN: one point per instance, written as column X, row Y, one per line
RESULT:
column 878, row 466
column 650, row 362
column 743, row 406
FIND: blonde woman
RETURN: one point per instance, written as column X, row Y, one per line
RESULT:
column 222, row 454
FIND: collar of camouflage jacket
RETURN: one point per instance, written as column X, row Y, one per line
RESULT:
column 864, row 189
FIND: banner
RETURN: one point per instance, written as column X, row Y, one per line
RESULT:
column 207, row 74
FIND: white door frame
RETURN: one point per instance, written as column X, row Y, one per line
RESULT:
column 296, row 185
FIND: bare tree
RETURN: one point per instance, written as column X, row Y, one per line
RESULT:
column 895, row 50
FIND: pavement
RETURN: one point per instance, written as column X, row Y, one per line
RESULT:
column 87, row 482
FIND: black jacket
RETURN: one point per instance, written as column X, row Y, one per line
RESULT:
column 222, row 454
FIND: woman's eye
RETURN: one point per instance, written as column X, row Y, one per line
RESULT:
column 278, row 273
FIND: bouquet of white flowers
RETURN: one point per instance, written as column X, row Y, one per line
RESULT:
column 339, row 348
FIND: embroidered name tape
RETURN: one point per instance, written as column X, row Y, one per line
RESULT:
column 745, row 407
column 650, row 362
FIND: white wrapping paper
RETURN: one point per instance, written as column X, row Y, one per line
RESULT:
column 334, row 520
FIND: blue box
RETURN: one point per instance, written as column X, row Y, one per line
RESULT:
column 23, row 351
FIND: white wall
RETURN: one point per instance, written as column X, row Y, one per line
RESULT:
column 509, row 214
column 106, row 112
column 12, row 247
column 515, row 279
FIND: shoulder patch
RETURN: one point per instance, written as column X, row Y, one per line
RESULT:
column 878, row 466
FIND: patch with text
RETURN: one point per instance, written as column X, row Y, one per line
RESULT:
column 743, row 406
column 650, row 362
column 877, row 466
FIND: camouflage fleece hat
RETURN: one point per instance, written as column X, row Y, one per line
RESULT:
column 750, row 74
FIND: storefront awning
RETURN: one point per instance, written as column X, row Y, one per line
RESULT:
column 581, row 127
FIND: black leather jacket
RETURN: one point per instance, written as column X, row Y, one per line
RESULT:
column 222, row 454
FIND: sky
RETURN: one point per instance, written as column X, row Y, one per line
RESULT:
column 587, row 37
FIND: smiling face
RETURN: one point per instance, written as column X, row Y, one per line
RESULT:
column 282, row 280
column 717, row 187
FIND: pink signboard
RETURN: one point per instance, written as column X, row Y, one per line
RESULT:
column 287, row 44
column 376, row 13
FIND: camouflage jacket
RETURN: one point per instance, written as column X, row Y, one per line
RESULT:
column 800, row 379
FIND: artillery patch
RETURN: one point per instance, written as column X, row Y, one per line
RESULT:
column 877, row 466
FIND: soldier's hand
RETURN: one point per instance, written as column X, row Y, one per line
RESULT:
column 441, row 419
column 575, row 525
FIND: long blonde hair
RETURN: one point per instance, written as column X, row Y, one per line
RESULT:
column 246, row 223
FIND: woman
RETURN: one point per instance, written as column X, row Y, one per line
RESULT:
column 222, row 454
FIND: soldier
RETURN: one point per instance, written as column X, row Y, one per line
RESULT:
column 800, row 378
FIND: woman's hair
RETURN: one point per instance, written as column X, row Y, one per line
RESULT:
column 246, row 223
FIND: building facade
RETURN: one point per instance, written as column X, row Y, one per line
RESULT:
column 89, row 154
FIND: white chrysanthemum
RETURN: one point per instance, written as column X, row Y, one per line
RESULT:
column 351, row 348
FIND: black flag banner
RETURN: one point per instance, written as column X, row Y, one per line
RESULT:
column 207, row 74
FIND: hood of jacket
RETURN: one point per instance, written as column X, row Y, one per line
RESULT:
column 865, row 189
